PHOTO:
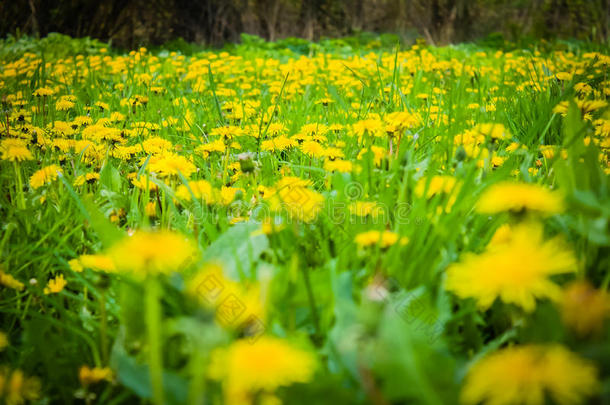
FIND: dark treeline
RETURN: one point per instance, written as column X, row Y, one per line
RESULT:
column 132, row 23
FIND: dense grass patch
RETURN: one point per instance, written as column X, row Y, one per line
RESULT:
column 333, row 222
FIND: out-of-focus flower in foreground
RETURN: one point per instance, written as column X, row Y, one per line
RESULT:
column 526, row 374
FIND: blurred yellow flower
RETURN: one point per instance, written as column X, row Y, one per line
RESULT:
column 366, row 208
column 16, row 153
column 495, row 131
column 247, row 369
column 16, row 388
column 151, row 209
column 237, row 305
column 383, row 239
column 44, row 176
column 98, row 262
column 148, row 252
column 584, row 308
column 88, row 375
column 299, row 202
column 201, row 189
column 3, row 343
column 519, row 197
column 524, row 374
column 9, row 281
column 515, row 268
column 55, row 285
column 43, row 92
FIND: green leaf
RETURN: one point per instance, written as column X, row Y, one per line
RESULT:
column 409, row 348
column 135, row 376
column 238, row 249
column 110, row 177
column 105, row 230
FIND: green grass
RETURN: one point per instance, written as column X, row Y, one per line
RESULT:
column 379, row 321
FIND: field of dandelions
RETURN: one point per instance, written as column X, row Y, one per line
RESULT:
column 339, row 222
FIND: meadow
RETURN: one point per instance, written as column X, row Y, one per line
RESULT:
column 294, row 222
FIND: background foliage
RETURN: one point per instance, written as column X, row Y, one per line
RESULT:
column 141, row 22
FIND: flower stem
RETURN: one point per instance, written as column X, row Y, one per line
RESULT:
column 153, row 324
column 103, row 328
column 19, row 186
column 312, row 301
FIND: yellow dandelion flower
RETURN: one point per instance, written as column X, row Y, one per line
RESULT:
column 338, row 165
column 55, row 285
column 227, row 194
column 201, row 189
column 300, row 203
column 516, row 269
column 368, row 126
column 89, row 178
column 436, row 185
column 519, row 197
column 143, row 183
column 247, row 369
column 237, row 305
column 528, row 374
column 366, row 208
column 17, row 387
column 384, row 239
column 151, row 209
column 584, row 308
column 10, row 282
column 170, row 164
column 75, row 265
column 88, row 376
column 97, row 262
column 268, row 227
column 16, row 153
column 63, row 105
column 3, row 342
column 312, row 149
column 495, row 131
column 44, row 176
column 152, row 252
column 43, row 92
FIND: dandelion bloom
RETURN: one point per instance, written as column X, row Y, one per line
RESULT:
column 518, row 197
column 152, row 252
column 16, row 153
column 249, row 368
column 9, row 281
column 213, row 289
column 436, row 185
column 495, row 131
column 43, row 92
column 296, row 199
column 201, row 189
column 88, row 376
column 97, row 262
column 515, row 268
column 170, row 164
column 44, row 176
column 18, row 388
column 3, row 341
column 55, row 285
column 584, row 308
column 63, row 104
column 524, row 374
column 383, row 239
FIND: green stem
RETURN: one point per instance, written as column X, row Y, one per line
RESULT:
column 153, row 324
column 312, row 301
column 19, row 186
column 225, row 165
column 197, row 386
column 103, row 328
